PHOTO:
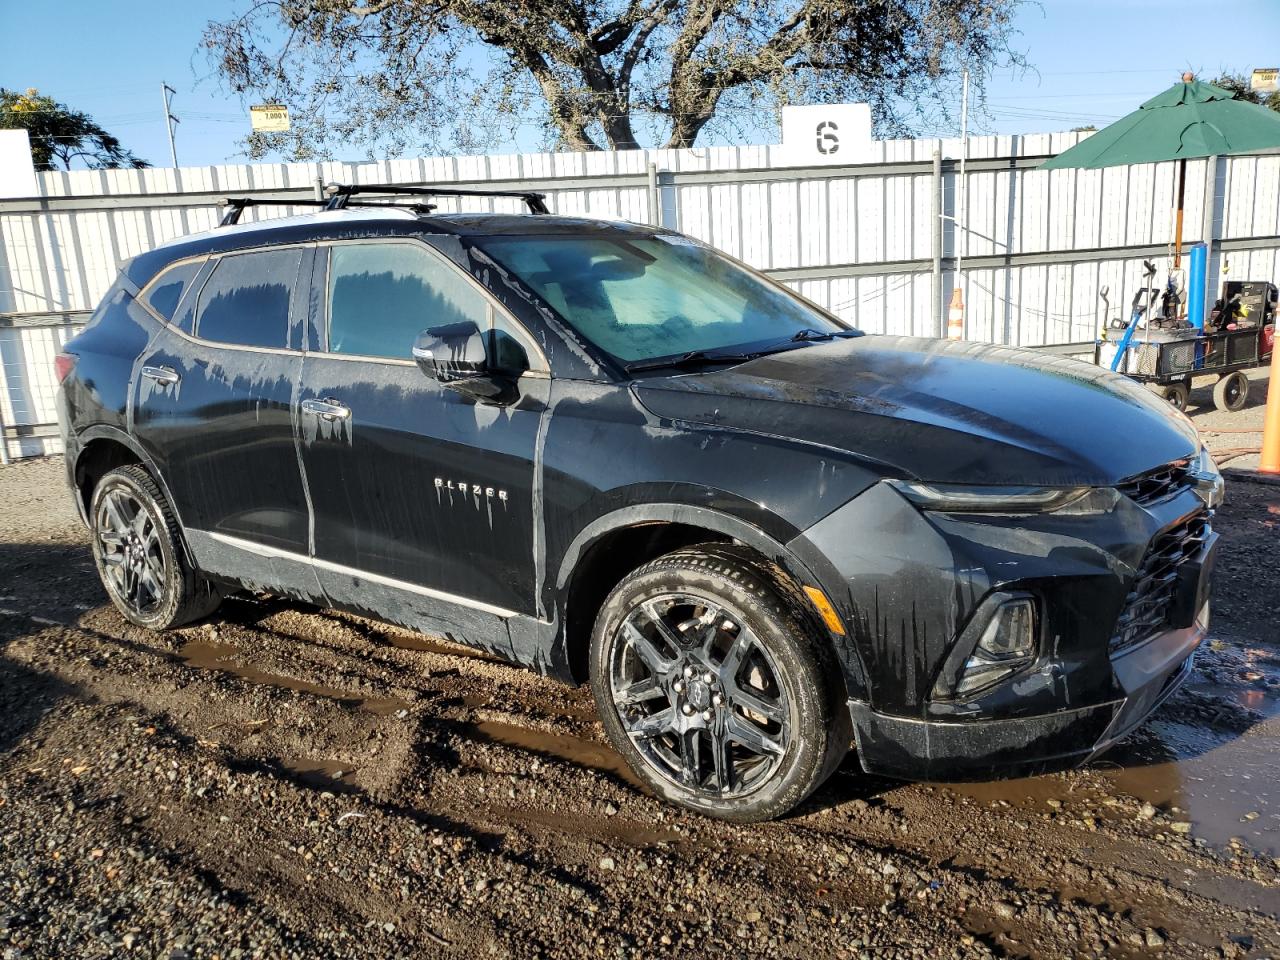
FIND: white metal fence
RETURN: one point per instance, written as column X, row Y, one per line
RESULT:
column 875, row 242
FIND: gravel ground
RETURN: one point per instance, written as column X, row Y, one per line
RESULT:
column 282, row 781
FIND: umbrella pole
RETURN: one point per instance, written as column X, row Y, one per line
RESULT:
column 1177, row 229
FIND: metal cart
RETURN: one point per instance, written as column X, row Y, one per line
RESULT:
column 1169, row 359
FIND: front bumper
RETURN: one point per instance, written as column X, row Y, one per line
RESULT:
column 1022, row 746
column 907, row 583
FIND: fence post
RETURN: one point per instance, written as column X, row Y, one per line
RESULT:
column 655, row 205
column 4, row 431
column 936, row 284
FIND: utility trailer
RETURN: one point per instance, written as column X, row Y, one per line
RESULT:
column 1166, row 353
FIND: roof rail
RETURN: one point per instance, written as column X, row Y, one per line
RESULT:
column 235, row 206
column 341, row 195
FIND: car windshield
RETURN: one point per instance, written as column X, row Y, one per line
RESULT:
column 641, row 298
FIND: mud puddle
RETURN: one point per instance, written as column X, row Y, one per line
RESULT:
column 207, row 655
column 561, row 746
column 1227, row 785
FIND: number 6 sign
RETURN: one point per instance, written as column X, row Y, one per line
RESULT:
column 826, row 133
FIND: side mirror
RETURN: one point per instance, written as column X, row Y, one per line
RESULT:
column 455, row 351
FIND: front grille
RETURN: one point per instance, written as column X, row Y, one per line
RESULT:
column 1146, row 608
column 1155, row 485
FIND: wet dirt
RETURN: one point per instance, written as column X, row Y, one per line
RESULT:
column 283, row 781
column 592, row 755
column 206, row 655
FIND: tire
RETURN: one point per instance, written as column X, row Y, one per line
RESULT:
column 1231, row 392
column 1177, row 394
column 712, row 682
column 140, row 555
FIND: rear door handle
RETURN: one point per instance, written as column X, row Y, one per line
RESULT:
column 161, row 375
column 327, row 409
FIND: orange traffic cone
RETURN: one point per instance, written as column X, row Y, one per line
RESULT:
column 1270, row 462
column 955, row 316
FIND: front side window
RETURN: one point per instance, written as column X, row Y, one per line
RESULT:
column 649, row 297
column 382, row 295
column 246, row 300
column 166, row 291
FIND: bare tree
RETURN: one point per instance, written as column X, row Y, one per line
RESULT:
column 389, row 74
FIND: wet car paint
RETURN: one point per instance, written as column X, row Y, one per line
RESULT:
column 590, row 452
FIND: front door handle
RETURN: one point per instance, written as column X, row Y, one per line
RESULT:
column 161, row 375
column 327, row 409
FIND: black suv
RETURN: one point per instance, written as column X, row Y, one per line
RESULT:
column 613, row 454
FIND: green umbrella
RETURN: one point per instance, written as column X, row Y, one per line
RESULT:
column 1191, row 119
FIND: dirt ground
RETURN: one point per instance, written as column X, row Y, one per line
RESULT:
column 288, row 782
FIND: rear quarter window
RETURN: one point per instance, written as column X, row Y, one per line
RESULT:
column 246, row 299
column 165, row 292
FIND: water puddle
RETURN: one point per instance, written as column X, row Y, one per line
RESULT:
column 575, row 750
column 422, row 643
column 633, row 833
column 1226, row 784
column 207, row 655
column 1228, row 787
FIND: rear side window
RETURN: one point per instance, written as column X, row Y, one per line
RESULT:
column 246, row 300
column 164, row 293
column 382, row 295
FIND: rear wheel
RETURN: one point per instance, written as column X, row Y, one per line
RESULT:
column 1231, row 393
column 137, row 546
column 710, row 683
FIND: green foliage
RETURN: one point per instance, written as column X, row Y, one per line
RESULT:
column 1238, row 83
column 392, row 76
column 60, row 135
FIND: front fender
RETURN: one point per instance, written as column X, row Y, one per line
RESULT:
column 724, row 524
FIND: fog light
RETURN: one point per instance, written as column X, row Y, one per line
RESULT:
column 1007, row 645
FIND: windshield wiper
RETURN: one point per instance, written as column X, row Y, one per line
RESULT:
column 810, row 334
column 691, row 359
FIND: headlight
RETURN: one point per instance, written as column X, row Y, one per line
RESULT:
column 955, row 498
column 1006, row 645
column 1208, row 479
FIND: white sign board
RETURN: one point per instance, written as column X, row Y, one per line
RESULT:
column 1265, row 80
column 17, row 172
column 826, row 133
column 269, row 118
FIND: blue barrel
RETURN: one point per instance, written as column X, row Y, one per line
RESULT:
column 1196, row 285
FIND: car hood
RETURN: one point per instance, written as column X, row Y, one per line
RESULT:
column 939, row 411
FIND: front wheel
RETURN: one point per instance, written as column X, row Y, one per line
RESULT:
column 1178, row 393
column 137, row 546
column 709, row 680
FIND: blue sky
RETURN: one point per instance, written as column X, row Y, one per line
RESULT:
column 1094, row 61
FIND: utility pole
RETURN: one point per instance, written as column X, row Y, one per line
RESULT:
column 169, row 118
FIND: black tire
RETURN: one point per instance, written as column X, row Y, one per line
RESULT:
column 140, row 555
column 748, row 638
column 1177, row 394
column 1231, row 392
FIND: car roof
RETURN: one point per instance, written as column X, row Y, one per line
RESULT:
column 363, row 222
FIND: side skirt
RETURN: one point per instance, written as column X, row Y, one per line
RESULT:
column 502, row 633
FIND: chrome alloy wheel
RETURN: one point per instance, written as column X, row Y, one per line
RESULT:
column 699, row 696
column 129, row 546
